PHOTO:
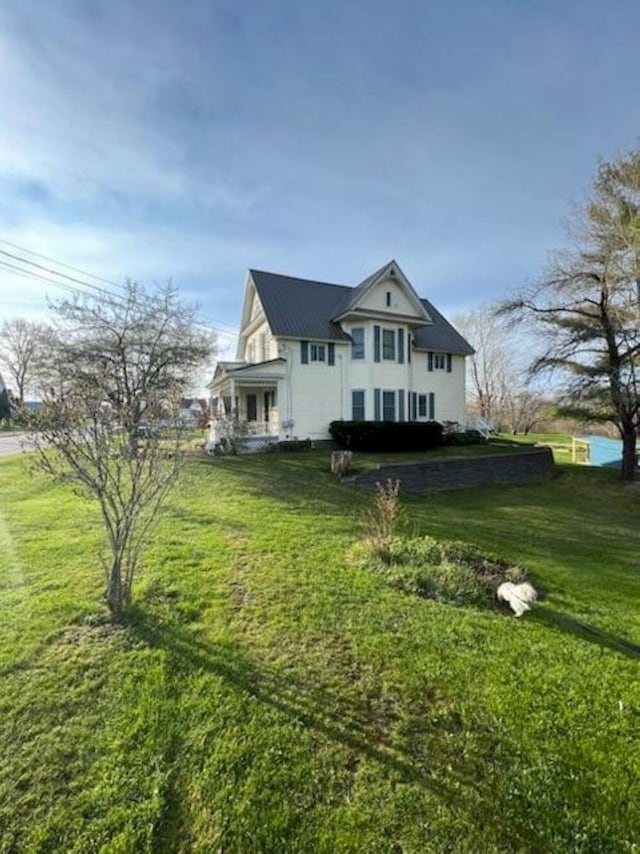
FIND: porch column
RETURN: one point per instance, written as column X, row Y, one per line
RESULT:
column 234, row 413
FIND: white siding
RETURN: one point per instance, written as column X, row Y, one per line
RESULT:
column 317, row 393
column 376, row 298
column 254, row 351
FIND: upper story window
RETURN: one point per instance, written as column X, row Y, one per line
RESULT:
column 314, row 351
column 388, row 298
column 439, row 362
column 317, row 353
column 357, row 347
column 389, row 344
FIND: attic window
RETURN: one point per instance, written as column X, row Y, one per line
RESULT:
column 392, row 273
column 388, row 298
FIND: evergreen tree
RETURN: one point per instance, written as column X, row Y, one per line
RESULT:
column 587, row 308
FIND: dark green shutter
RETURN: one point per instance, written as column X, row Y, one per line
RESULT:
column 400, row 404
column 331, row 354
column 429, row 361
column 409, row 348
column 376, row 404
column 432, row 406
column 376, row 343
column 414, row 405
column 401, row 346
column 448, row 363
column 304, row 352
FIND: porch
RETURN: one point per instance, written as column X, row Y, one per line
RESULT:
column 244, row 404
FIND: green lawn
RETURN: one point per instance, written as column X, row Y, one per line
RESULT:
column 268, row 697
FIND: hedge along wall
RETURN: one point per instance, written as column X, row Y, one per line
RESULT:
column 529, row 466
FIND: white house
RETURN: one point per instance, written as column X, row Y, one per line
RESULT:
column 311, row 352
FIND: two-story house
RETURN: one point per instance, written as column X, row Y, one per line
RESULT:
column 311, row 352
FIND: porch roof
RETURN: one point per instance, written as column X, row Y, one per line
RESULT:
column 260, row 373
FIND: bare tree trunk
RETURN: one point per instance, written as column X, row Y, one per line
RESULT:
column 628, row 469
column 118, row 593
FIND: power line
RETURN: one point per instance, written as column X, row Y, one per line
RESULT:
column 216, row 325
column 59, row 263
column 39, row 277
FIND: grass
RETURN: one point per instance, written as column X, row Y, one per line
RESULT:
column 560, row 443
column 266, row 696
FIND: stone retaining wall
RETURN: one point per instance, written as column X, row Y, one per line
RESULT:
column 440, row 473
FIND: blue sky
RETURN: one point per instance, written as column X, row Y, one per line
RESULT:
column 196, row 139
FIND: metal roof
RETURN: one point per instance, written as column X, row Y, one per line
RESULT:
column 440, row 335
column 303, row 308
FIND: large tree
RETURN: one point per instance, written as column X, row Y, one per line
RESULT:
column 586, row 308
column 110, row 422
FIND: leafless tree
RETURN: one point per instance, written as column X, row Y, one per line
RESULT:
column 491, row 367
column 24, row 346
column 109, row 422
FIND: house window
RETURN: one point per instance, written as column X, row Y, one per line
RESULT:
column 264, row 347
column 317, row 353
column 252, row 352
column 389, row 344
column 422, row 406
column 439, row 361
column 357, row 405
column 388, row 298
column 252, row 407
column 357, row 347
column 388, row 406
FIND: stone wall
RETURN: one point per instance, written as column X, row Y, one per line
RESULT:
column 440, row 473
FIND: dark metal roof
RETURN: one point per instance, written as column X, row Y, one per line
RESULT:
column 301, row 308
column 440, row 335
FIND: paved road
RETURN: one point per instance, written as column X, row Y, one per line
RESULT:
column 10, row 443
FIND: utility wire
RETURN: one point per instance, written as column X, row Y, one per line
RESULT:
column 59, row 263
column 218, row 324
column 37, row 276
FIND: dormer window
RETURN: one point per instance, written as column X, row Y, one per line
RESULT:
column 388, row 298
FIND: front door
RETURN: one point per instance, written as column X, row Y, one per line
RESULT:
column 252, row 407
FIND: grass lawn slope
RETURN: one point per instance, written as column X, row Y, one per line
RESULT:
column 266, row 696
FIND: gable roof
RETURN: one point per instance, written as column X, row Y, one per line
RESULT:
column 392, row 270
column 304, row 308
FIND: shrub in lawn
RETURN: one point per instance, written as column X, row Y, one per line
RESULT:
column 384, row 516
column 451, row 572
column 386, row 436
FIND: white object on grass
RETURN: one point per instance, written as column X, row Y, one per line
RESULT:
column 519, row 596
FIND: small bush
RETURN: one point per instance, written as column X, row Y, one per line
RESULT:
column 384, row 516
column 452, row 572
column 464, row 437
column 381, row 436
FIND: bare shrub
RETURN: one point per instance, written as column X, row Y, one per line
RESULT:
column 384, row 516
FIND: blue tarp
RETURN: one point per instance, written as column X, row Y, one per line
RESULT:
column 603, row 451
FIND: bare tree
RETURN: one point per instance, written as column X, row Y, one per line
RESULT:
column 491, row 368
column 524, row 407
column 23, row 352
column 109, row 423
column 586, row 308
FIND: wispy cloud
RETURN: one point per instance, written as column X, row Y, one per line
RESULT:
column 195, row 139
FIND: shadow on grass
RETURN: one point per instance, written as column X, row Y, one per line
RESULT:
column 353, row 723
column 565, row 623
